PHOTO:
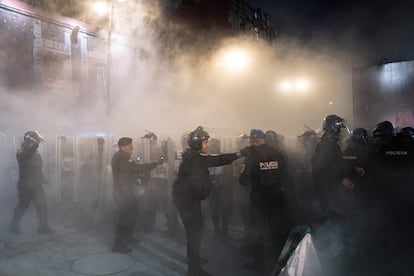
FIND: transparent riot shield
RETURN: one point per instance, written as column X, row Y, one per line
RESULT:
column 169, row 150
column 50, row 156
column 92, row 158
column 66, row 169
column 147, row 190
column 9, row 171
column 241, row 195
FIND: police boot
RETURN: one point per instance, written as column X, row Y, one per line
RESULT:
column 43, row 225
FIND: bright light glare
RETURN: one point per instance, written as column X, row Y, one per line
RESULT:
column 302, row 85
column 101, row 8
column 235, row 60
column 285, row 86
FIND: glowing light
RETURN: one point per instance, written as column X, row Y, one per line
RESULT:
column 235, row 60
column 302, row 85
column 286, row 86
column 101, row 8
column 298, row 86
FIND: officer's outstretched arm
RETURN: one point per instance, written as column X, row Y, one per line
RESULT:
column 144, row 168
column 220, row 159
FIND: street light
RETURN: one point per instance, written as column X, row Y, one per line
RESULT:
column 100, row 8
column 233, row 60
column 302, row 85
column 285, row 86
column 299, row 85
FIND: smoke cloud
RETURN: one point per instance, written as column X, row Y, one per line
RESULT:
column 176, row 83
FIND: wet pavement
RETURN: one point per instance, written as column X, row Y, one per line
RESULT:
column 81, row 246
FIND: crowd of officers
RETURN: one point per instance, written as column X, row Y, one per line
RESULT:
column 358, row 191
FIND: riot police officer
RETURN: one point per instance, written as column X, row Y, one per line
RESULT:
column 385, row 163
column 393, row 193
column 30, row 185
column 125, row 172
column 265, row 172
column 193, row 185
column 330, row 174
column 328, row 168
column 356, row 154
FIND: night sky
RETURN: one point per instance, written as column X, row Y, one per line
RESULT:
column 371, row 30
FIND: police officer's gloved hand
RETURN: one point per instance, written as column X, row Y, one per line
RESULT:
column 359, row 171
column 162, row 159
column 245, row 151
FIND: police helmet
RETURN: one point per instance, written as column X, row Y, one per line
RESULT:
column 383, row 129
column 197, row 137
column 151, row 136
column 407, row 133
column 32, row 137
column 271, row 137
column 215, row 146
column 360, row 135
column 333, row 124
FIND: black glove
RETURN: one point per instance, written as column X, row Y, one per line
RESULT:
column 245, row 151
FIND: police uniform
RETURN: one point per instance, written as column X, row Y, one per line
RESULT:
column 191, row 186
column 125, row 173
column 328, row 170
column 388, row 236
column 357, row 154
column 265, row 172
column 30, row 187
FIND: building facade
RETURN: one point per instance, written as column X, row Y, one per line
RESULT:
column 227, row 18
column 42, row 50
column 50, row 52
column 384, row 92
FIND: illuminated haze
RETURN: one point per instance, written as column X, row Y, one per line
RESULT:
column 172, row 86
column 170, row 92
